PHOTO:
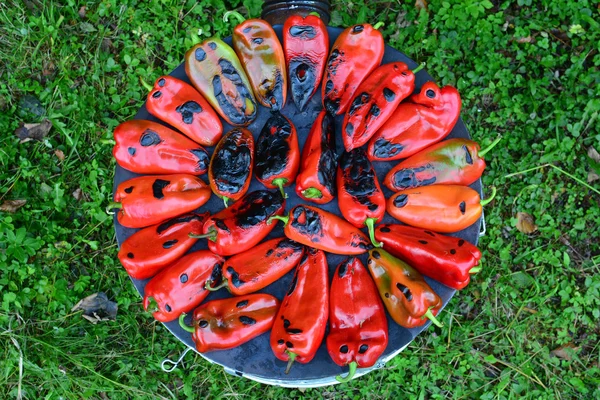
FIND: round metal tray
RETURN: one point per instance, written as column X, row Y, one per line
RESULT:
column 255, row 360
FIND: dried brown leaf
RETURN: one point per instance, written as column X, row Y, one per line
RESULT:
column 96, row 308
column 12, row 206
column 421, row 5
column 78, row 193
column 37, row 131
column 526, row 223
column 592, row 176
column 565, row 352
column 82, row 11
column 527, row 39
column 593, row 154
column 59, row 154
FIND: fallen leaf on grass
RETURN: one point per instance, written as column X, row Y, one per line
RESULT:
column 82, row 11
column 421, row 5
column 525, row 223
column 565, row 352
column 38, row 131
column 12, row 206
column 59, row 154
column 77, row 194
column 96, row 308
column 594, row 165
column 526, row 39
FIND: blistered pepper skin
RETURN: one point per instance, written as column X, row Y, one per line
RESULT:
column 181, row 106
column 147, row 147
column 216, row 72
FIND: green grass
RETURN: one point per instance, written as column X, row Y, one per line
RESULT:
column 527, row 70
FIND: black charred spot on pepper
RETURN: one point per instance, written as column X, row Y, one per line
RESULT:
column 452, row 251
column 423, row 241
column 181, row 220
column 157, row 188
column 247, row 29
column 235, row 277
column 212, row 45
column 344, row 349
column 280, row 341
column 286, row 323
column 257, row 207
column 200, row 54
column 358, row 28
column 344, row 267
column 429, row 233
column 183, row 278
column 203, row 324
column 257, row 40
column 385, row 149
column 359, row 101
column 294, row 331
column 403, row 73
column 290, row 244
column 359, row 179
column 407, row 178
column 462, row 207
column 289, row 345
column 303, row 31
column 292, row 285
column 130, row 255
column 385, row 229
column 376, row 255
column 149, row 138
column 168, row 308
column 311, row 226
column 247, row 320
column 405, row 291
column 327, row 166
column 187, row 111
column 169, row 243
column 375, row 111
column 461, row 242
column 217, row 274
column 430, row 93
column 363, row 348
column 220, row 224
column 401, row 201
column 242, row 303
column 349, row 129
column 157, row 94
column 303, row 75
column 231, row 163
column 271, row 251
column 161, row 82
column 328, row 86
column 241, row 95
column 389, row 94
column 131, row 151
column 387, row 295
column 203, row 158
column 129, row 190
column 468, row 157
column 274, row 93
column 273, row 147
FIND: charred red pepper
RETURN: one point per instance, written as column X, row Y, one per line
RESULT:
column 300, row 325
column 260, row 266
column 306, row 46
column 261, row 54
column 356, row 53
column 358, row 329
column 316, row 180
column 406, row 295
column 440, row 208
column 277, row 153
column 181, row 106
column 360, row 198
column 375, row 100
column 243, row 225
column 149, row 200
column 146, row 147
column 231, row 164
column 215, row 70
column 322, row 230
column 228, row 323
column 151, row 249
column 453, row 161
column 180, row 287
column 426, row 119
column 446, row 259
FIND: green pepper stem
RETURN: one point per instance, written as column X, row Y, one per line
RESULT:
column 432, row 317
column 284, row 218
column 146, row 84
column 111, row 205
column 485, row 202
column 312, row 193
column 482, row 153
column 152, row 305
column 378, row 25
column 225, row 200
column 369, row 222
column 474, row 270
column 420, row 67
column 350, row 375
column 280, row 182
column 292, row 357
column 209, row 282
column 235, row 14
column 182, row 324
column 316, row 14
column 210, row 235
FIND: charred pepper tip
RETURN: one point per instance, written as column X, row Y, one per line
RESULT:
column 182, row 324
column 292, row 358
column 370, row 223
column 432, row 318
column 352, row 370
column 485, row 202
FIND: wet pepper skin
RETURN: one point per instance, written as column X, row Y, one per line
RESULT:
column 446, row 259
column 316, row 180
column 453, row 161
column 356, row 53
column 151, row 249
column 426, row 119
column 181, row 106
column 147, row 147
column 258, row 47
column 228, row 323
column 358, row 329
column 231, row 164
column 243, row 225
column 306, row 46
column 403, row 290
column 152, row 199
column 277, row 153
column 180, row 287
column 262, row 265
column 215, row 70
column 374, row 102
column 440, row 208
column 322, row 230
column 300, row 324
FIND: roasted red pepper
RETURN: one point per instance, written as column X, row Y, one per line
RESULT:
column 322, row 230
column 146, row 147
column 151, row 249
column 306, row 46
column 374, row 102
column 215, row 70
column 316, row 180
column 440, row 208
column 360, row 198
column 180, row 287
column 407, row 297
column 356, row 53
column 358, row 329
column 453, row 161
column 181, row 106
column 260, row 266
column 446, row 259
column 243, row 225
column 261, row 54
column 228, row 323
column 300, row 325
column 149, row 200
column 230, row 168
column 426, row 119
column 277, row 153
